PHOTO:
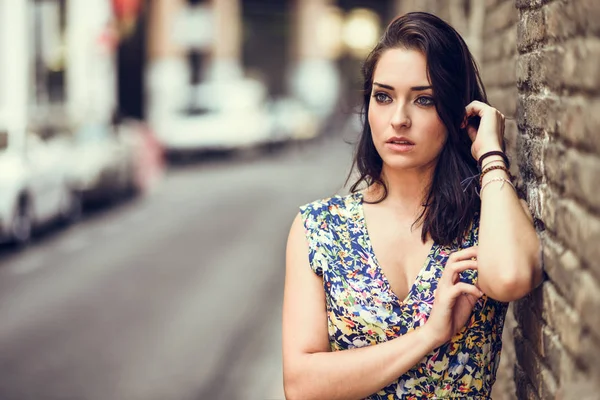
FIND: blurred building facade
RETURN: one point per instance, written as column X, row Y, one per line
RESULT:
column 72, row 61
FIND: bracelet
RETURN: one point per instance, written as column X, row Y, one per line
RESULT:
column 493, row 153
column 492, row 168
column 490, row 162
column 503, row 180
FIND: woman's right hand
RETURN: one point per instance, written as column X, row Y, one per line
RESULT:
column 453, row 300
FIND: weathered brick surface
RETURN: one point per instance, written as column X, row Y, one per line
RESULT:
column 531, row 29
column 540, row 63
column 501, row 45
column 499, row 18
column 558, row 116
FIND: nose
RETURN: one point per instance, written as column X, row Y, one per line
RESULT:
column 401, row 118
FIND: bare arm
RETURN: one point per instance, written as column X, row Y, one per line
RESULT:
column 509, row 253
column 509, row 248
column 311, row 370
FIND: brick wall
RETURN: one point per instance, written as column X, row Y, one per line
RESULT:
column 498, row 72
column 558, row 113
column 540, row 62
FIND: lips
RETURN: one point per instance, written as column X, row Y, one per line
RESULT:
column 400, row 140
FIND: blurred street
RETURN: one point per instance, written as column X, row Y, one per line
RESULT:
column 176, row 295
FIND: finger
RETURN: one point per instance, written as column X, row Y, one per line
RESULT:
column 462, row 288
column 475, row 108
column 450, row 274
column 464, row 254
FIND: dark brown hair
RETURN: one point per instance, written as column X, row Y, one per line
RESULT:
column 450, row 204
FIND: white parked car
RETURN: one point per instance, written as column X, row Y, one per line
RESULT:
column 102, row 163
column 224, row 115
column 291, row 120
column 33, row 185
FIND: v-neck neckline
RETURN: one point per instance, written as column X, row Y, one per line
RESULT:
column 365, row 231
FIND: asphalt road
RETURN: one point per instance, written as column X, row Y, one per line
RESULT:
column 174, row 296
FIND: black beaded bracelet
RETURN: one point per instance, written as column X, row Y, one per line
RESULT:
column 493, row 153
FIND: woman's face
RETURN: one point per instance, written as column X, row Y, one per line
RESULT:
column 406, row 129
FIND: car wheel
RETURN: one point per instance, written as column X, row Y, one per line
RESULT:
column 21, row 229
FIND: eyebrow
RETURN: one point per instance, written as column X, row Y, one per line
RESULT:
column 415, row 88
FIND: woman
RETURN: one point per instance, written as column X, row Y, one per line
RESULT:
column 412, row 307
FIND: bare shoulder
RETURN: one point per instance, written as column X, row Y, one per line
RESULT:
column 304, row 319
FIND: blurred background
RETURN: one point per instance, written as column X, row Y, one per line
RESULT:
column 153, row 154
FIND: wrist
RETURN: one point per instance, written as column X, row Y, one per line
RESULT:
column 431, row 337
column 487, row 149
column 493, row 155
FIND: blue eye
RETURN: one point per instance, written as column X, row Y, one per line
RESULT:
column 425, row 101
column 382, row 98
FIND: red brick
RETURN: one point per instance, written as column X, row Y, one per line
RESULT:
column 558, row 274
column 499, row 46
column 561, row 364
column 540, row 70
column 531, row 29
column 591, row 15
column 562, row 319
column 582, row 387
column 500, row 74
column 537, row 112
column 582, row 177
column 549, row 385
column 504, row 99
column 529, row 4
column 580, row 64
column 553, row 158
column 559, row 20
column 531, row 326
column 589, row 357
column 578, row 122
column 524, row 386
column 580, row 231
column 500, row 18
column 587, row 301
column 548, row 199
column 568, row 19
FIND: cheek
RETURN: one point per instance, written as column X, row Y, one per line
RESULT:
column 377, row 118
column 438, row 131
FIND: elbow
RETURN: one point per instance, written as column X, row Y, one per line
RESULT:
column 290, row 388
column 293, row 386
column 295, row 390
column 506, row 284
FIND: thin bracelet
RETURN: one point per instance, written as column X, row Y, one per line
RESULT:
column 493, row 161
column 503, row 180
column 493, row 168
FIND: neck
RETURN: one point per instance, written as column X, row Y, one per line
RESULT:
column 406, row 189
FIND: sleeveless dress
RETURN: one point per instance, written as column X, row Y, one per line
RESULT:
column 362, row 310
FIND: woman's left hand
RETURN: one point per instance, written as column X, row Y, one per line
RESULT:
column 490, row 135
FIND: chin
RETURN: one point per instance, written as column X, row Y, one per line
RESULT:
column 405, row 163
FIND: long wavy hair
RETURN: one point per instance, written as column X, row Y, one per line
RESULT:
column 450, row 203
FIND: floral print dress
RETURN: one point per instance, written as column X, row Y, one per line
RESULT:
column 362, row 310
